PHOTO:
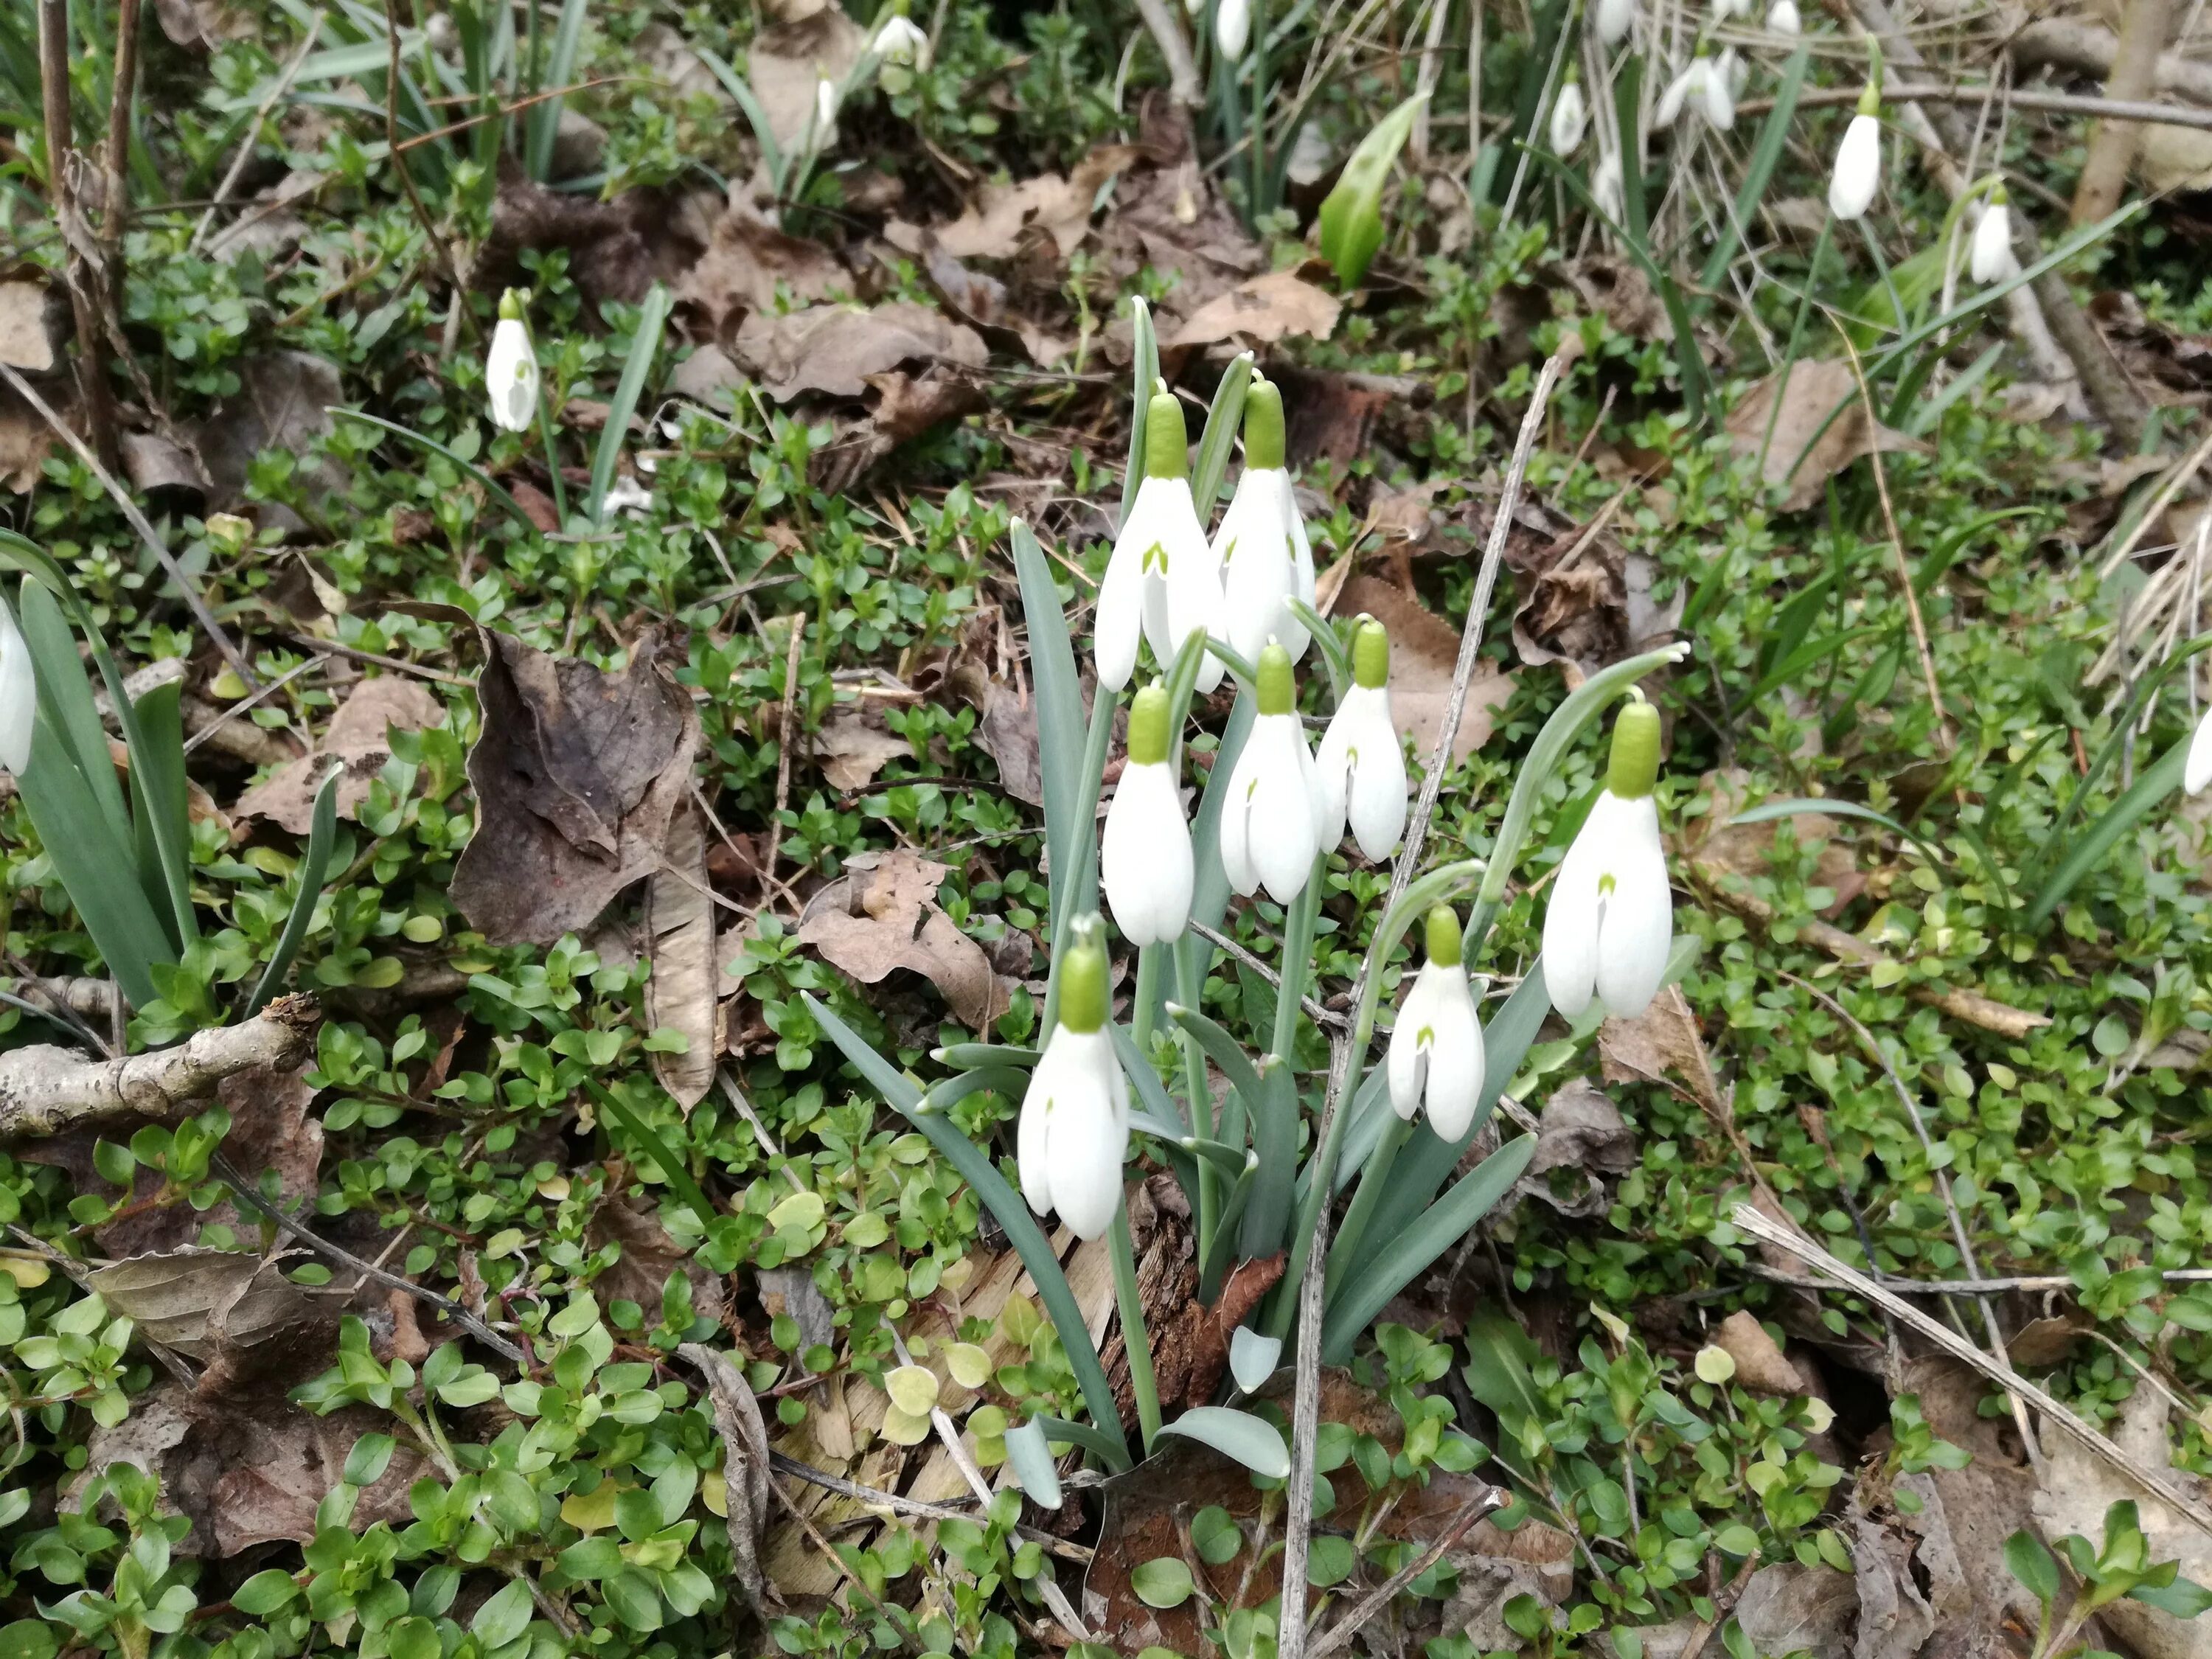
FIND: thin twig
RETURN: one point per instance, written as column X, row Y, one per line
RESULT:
column 353, row 654
column 1364, row 1610
column 115, row 183
column 252, row 135
column 914, row 1506
column 245, row 1192
column 1745, row 1219
column 2029, row 1284
column 2051, row 103
column 1306, row 1398
column 267, row 691
column 80, row 269
column 137, row 521
column 1328, row 1018
column 785, row 737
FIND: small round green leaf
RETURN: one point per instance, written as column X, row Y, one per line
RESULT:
column 1162, row 1582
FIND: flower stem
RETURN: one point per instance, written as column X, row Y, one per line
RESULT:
column 1373, row 1180
column 552, row 461
column 1134, row 1341
column 1144, row 1001
column 1297, row 965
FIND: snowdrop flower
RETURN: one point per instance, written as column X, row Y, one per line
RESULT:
column 1858, row 159
column 1615, row 18
column 1734, row 73
column 1436, row 1048
column 1362, row 765
column 1611, row 921
column 1703, row 88
column 1569, row 115
column 19, row 694
column 1232, row 28
column 1265, row 560
column 1724, row 10
column 1075, row 1128
column 824, row 133
column 1144, row 857
column 1607, row 186
column 510, row 368
column 1782, row 18
column 1272, row 822
column 1992, row 259
column 901, row 40
column 1163, row 581
column 2195, row 772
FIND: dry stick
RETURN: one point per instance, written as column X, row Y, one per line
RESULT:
column 1306, row 1399
column 2114, row 397
column 785, row 737
column 1982, row 1298
column 2028, row 1283
column 79, row 268
column 1182, row 71
column 246, row 1192
column 45, row 1091
column 1364, row 1610
column 137, row 521
column 2113, row 144
column 1079, row 1553
column 2052, row 103
column 115, row 190
column 253, row 137
column 1897, row 541
column 1746, row 1219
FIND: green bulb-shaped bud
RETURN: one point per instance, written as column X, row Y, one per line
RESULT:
column 1445, row 942
column 1148, row 726
column 510, row 306
column 1370, row 654
column 1167, row 446
column 1263, row 424
column 1870, row 98
column 1997, row 196
column 1275, row 690
column 1635, row 764
column 1083, row 982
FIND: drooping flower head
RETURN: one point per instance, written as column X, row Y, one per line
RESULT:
column 1615, row 18
column 1435, row 1058
column 1992, row 259
column 1144, row 857
column 1264, row 559
column 1570, row 116
column 1074, row 1129
column 510, row 368
column 1782, row 19
column 1232, row 28
column 19, row 694
column 901, row 40
column 1271, row 821
column 1361, row 767
column 1611, row 921
column 1857, row 177
column 1163, row 581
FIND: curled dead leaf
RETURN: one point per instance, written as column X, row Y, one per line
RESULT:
column 357, row 739
column 1822, row 426
column 205, row 1302
column 882, row 915
column 834, row 348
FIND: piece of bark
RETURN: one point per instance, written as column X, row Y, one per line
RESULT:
column 45, row 1088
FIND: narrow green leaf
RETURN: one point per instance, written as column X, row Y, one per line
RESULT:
column 1034, row 1469
column 545, row 118
column 2090, row 849
column 645, row 345
column 1352, row 217
column 1223, row 421
column 1107, row 1450
column 1006, row 1206
column 1222, row 1049
column 314, row 865
column 763, row 129
column 1275, row 1138
column 674, row 1169
column 1772, row 136
column 490, row 486
column 1058, row 693
column 1443, row 1225
column 1252, row 1441
column 160, row 817
column 65, row 698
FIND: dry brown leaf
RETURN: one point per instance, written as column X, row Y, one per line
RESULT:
column 26, row 325
column 1760, row 1364
column 882, row 915
column 789, row 61
column 1664, row 1038
column 903, row 406
column 834, row 349
column 357, row 739
column 748, row 261
column 853, row 749
column 744, row 1462
column 686, row 983
column 577, row 774
column 980, row 301
column 1006, row 729
column 1582, row 1133
column 282, row 403
column 1424, row 652
column 25, row 440
column 1263, row 311
column 2170, row 158
column 1001, row 220
column 1584, row 599
column 151, row 462
column 617, row 250
column 1808, row 448
column 205, row 1302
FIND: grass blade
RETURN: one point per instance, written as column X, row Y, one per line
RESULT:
column 652, row 317
column 545, row 118
column 672, row 1169
column 1007, row 1208
column 314, row 865
column 763, row 129
column 2122, row 816
column 1223, row 421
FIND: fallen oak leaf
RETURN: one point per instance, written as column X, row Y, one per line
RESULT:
column 852, row 749
column 1264, row 310
column 882, row 915
column 203, row 1302
column 834, row 348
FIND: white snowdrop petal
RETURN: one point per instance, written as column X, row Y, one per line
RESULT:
column 19, row 695
column 1145, row 856
column 1030, row 1140
column 1455, row 1059
column 1236, row 822
column 1991, row 260
column 1376, row 808
column 1572, row 917
column 1638, row 926
column 2196, row 770
column 1086, row 1146
column 1857, row 176
column 1257, row 576
column 1404, row 1059
column 1283, row 810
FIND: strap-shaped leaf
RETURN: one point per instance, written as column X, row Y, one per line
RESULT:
column 1215, row 1263
column 492, row 487
column 1059, row 703
column 1222, row 1049
column 1449, row 1220
column 1005, row 1205
column 1222, row 421
column 1058, row 1431
column 66, row 699
column 1252, row 1441
column 966, row 1057
column 644, row 345
column 159, row 809
column 1034, row 1469
column 1144, row 369
column 1275, row 1138
column 314, row 865
column 545, row 118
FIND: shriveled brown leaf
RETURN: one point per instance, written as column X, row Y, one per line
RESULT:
column 1617, row 289
column 648, row 1256
column 1807, row 447
column 282, row 403
column 853, row 749
column 205, row 1302
column 1748, row 849
column 903, row 407
column 1005, row 216
column 686, row 983
column 1006, row 729
column 743, row 1434
column 981, row 301
column 788, row 61
column 577, row 774
column 1583, row 1134
column 1585, row 599
column 2046, row 1341
column 705, row 375
column 25, row 440
column 1495, row 1568
column 358, row 739
column 1790, row 1607
column 29, row 327
column 882, row 916
column 747, row 261
column 834, row 349
column 250, row 1468
column 1663, row 1041
column 151, row 462
column 1332, row 415
column 1263, row 311
column 1424, row 652
column 1760, row 1364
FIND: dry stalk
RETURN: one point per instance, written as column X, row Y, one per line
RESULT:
column 2113, row 144
column 80, row 267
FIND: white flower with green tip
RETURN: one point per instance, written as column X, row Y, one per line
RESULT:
column 1570, row 118
column 1271, row 821
column 1361, row 767
column 1264, row 559
column 1232, row 28
column 1435, row 1057
column 510, row 368
column 1991, row 259
column 1144, row 857
column 1611, row 920
column 1857, row 177
column 1163, row 581
column 901, row 40
column 1074, row 1128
